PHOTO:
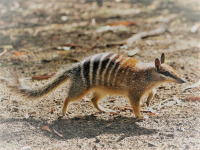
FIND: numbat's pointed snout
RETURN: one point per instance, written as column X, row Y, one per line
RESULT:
column 181, row 81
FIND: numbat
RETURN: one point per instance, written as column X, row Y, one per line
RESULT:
column 107, row 73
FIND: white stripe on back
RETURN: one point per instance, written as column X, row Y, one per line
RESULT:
column 82, row 75
column 127, row 72
column 99, row 67
column 104, row 71
column 119, row 68
column 91, row 68
column 111, row 70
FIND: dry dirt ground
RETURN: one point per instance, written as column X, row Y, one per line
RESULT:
column 36, row 33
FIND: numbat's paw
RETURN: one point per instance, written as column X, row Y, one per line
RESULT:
column 147, row 104
column 141, row 118
column 64, row 114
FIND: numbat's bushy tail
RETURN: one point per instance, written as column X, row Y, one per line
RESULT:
column 107, row 73
column 26, row 91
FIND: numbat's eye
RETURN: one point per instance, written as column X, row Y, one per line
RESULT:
column 167, row 73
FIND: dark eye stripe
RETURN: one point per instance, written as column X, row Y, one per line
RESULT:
column 167, row 74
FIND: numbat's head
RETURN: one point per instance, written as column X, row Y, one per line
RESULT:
column 165, row 72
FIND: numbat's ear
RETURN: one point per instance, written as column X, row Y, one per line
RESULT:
column 163, row 58
column 157, row 64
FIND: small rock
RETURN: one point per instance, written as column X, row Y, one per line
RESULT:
column 124, row 47
column 187, row 147
column 156, row 120
column 26, row 147
column 133, row 52
column 15, row 109
column 66, row 48
column 64, row 18
column 3, row 99
column 93, row 22
column 149, row 42
column 151, row 144
column 194, row 28
column 170, row 135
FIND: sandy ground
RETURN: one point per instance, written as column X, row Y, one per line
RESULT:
column 34, row 33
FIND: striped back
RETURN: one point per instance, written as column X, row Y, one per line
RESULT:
column 104, row 69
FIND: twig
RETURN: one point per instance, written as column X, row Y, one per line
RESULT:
column 42, row 49
column 60, row 135
column 5, row 50
column 158, row 106
column 192, row 86
column 162, row 29
column 73, row 45
column 170, row 103
column 92, row 47
column 115, row 43
column 43, row 77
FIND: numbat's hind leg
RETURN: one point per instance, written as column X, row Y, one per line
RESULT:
column 150, row 97
column 65, row 105
column 76, row 92
column 69, row 99
column 95, row 99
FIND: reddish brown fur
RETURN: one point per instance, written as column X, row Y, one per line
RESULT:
column 128, row 67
